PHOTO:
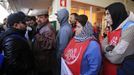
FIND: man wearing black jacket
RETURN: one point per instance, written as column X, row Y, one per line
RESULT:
column 18, row 56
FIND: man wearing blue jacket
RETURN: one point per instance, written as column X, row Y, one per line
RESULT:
column 65, row 32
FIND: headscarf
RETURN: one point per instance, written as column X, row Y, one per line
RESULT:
column 86, row 33
column 118, row 14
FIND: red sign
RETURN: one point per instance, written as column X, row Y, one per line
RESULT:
column 63, row 3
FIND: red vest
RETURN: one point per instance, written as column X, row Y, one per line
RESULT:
column 113, row 39
column 73, row 55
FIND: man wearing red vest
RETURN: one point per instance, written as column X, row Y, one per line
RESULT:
column 119, row 43
column 82, row 55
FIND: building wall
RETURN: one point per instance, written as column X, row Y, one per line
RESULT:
column 55, row 7
column 104, row 3
column 130, row 5
column 101, row 3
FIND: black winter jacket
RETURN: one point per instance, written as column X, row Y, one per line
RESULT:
column 17, row 53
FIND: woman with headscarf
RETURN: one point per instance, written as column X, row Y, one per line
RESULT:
column 118, row 46
column 83, row 55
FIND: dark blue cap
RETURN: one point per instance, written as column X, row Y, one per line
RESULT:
column 15, row 18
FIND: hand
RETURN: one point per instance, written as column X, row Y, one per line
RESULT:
column 109, row 48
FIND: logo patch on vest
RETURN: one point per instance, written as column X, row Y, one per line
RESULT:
column 114, row 41
column 72, row 55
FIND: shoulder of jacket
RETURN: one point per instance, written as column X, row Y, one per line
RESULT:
column 127, row 25
column 11, row 37
column 94, row 43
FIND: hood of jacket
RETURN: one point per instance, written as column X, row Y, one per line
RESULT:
column 62, row 16
column 118, row 14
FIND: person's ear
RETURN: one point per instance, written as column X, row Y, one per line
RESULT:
column 15, row 25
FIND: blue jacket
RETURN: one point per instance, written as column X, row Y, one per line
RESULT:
column 1, row 59
column 1, row 55
column 92, row 59
column 65, row 32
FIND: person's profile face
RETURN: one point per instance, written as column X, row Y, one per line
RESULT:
column 41, row 19
column 108, row 18
column 72, row 19
column 78, row 28
column 20, row 26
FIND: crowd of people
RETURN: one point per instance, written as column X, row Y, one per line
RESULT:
column 29, row 45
